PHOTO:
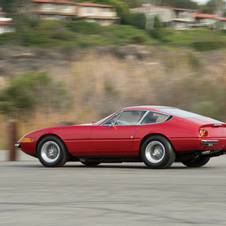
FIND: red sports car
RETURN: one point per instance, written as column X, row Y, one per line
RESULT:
column 155, row 135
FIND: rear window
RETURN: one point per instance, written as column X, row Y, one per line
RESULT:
column 179, row 112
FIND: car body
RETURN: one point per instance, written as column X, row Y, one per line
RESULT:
column 155, row 135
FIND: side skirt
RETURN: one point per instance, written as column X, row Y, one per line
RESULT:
column 107, row 159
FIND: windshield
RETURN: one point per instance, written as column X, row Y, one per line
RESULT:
column 102, row 120
column 179, row 112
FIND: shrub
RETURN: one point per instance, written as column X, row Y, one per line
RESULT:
column 62, row 34
column 31, row 90
column 194, row 61
column 206, row 108
column 156, row 33
column 84, row 27
column 26, row 36
column 135, row 19
column 11, row 37
column 208, row 45
column 33, row 22
column 137, row 39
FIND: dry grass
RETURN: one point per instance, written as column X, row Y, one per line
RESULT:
column 102, row 85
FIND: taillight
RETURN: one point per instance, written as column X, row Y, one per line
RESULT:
column 203, row 133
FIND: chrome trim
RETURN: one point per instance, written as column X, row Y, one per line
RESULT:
column 209, row 142
column 206, row 152
column 156, row 113
column 17, row 145
column 155, row 152
column 139, row 123
column 103, row 123
column 50, row 151
column 217, row 125
column 147, row 112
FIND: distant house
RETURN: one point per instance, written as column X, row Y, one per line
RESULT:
column 51, row 9
column 209, row 20
column 98, row 13
column 204, row 19
column 172, row 17
column 6, row 24
column 67, row 10
column 223, row 23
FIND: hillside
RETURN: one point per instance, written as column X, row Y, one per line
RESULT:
column 99, row 81
column 50, row 34
column 92, row 71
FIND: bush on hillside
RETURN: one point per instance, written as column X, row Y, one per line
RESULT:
column 135, row 19
column 206, row 108
column 84, row 27
column 158, row 31
column 31, row 90
column 208, row 45
column 11, row 37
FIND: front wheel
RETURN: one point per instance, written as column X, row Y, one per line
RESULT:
column 196, row 163
column 157, row 152
column 52, row 152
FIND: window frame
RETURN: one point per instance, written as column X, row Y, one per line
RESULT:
column 139, row 122
column 160, row 113
column 105, row 10
column 90, row 10
column 121, row 112
column 66, row 7
column 51, row 6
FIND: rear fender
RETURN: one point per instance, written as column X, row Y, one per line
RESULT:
column 153, row 134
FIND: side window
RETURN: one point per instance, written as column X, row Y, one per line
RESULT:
column 130, row 117
column 112, row 119
column 153, row 117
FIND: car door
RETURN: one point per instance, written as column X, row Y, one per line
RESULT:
column 116, row 136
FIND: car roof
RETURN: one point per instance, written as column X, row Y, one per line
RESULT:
column 148, row 107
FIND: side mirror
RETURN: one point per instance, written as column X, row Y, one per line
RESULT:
column 112, row 124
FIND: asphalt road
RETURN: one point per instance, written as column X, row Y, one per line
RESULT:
column 111, row 194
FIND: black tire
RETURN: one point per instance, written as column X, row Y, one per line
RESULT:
column 196, row 163
column 90, row 164
column 52, row 152
column 157, row 152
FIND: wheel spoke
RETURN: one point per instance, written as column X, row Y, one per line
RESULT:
column 155, row 151
column 50, row 151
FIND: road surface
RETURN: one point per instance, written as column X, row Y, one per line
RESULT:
column 111, row 194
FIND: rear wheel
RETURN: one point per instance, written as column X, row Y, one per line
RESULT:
column 196, row 163
column 52, row 152
column 157, row 152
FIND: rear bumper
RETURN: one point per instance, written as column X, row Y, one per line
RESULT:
column 209, row 142
column 194, row 144
column 17, row 145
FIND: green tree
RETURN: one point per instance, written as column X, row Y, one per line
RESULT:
column 135, row 19
column 12, row 6
column 185, row 4
column 31, row 90
column 133, row 3
column 210, row 6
